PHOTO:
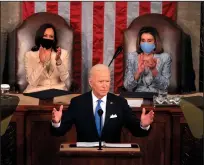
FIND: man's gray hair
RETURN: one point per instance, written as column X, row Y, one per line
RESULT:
column 97, row 67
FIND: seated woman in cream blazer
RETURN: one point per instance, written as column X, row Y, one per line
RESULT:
column 47, row 66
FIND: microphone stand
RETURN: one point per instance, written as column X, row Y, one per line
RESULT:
column 110, row 62
column 120, row 48
column 100, row 113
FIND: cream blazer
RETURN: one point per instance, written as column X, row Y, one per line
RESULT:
column 38, row 78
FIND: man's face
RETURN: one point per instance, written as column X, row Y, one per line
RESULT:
column 100, row 83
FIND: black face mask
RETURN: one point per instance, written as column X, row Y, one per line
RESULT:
column 46, row 43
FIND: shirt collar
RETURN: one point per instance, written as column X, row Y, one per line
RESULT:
column 95, row 99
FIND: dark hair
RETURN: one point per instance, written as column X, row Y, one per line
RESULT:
column 153, row 31
column 39, row 35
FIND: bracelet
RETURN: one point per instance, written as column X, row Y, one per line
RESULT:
column 154, row 72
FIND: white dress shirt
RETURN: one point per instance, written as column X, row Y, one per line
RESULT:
column 103, row 106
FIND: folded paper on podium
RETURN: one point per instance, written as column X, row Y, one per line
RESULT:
column 93, row 147
column 193, row 108
column 104, row 144
column 7, row 107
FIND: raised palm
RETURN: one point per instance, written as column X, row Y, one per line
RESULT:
column 57, row 114
column 146, row 119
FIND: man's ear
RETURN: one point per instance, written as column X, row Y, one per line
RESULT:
column 90, row 82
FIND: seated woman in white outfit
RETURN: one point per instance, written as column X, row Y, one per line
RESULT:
column 46, row 65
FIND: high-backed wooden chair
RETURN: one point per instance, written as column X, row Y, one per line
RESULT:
column 22, row 40
column 175, row 42
column 3, row 40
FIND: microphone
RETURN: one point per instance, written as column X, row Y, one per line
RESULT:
column 119, row 49
column 100, row 113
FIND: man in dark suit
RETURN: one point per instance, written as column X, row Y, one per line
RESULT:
column 83, row 110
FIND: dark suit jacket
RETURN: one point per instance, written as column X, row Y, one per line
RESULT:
column 80, row 113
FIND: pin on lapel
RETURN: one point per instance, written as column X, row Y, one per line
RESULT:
column 111, row 102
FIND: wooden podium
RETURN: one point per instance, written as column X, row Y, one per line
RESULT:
column 93, row 156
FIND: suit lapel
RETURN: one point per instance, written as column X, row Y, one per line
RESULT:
column 52, row 62
column 109, row 109
column 90, row 112
column 90, row 106
column 38, row 60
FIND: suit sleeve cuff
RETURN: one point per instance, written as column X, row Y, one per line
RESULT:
column 56, row 125
column 145, row 128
